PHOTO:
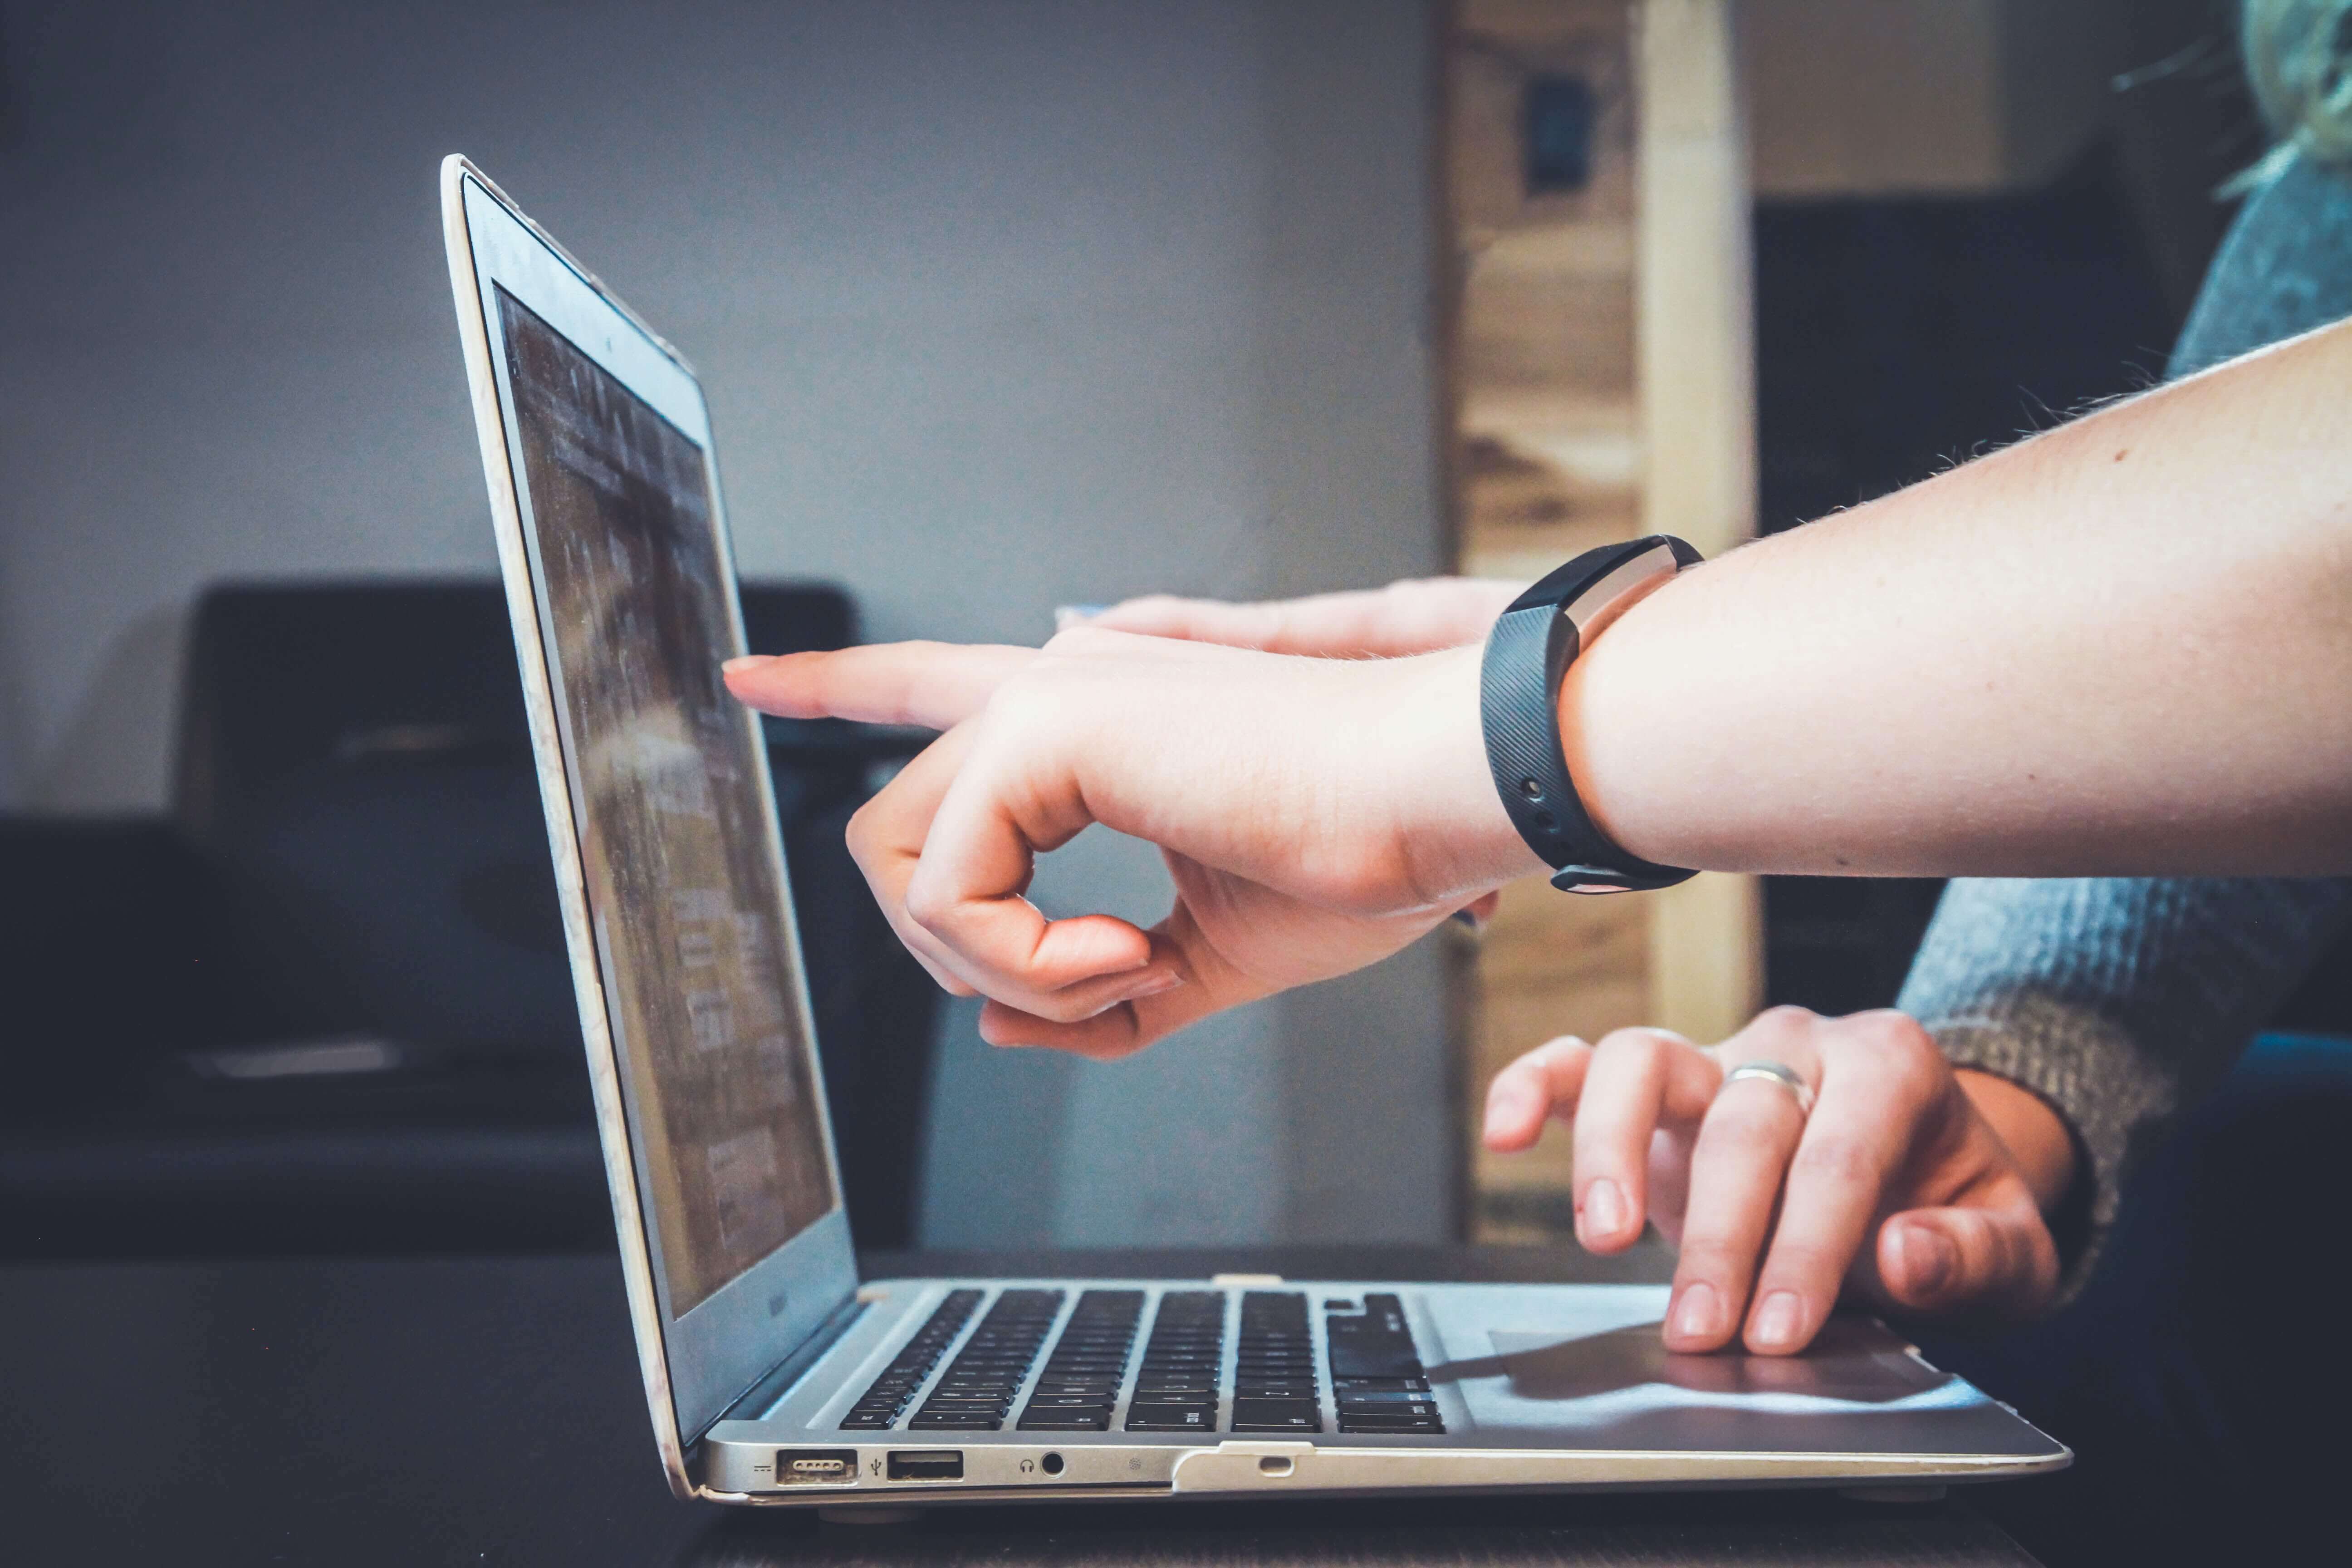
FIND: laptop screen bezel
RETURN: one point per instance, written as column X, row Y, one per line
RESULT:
column 697, row 1362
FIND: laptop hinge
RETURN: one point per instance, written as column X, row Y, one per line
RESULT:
column 762, row 1396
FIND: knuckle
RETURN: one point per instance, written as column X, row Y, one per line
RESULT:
column 1560, row 1048
column 1085, row 638
column 1898, row 1039
column 1743, row 1125
column 1640, row 1044
column 1513, row 1084
column 1026, row 699
column 1838, row 1159
column 927, row 907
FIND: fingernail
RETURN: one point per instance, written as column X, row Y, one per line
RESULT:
column 1927, row 1257
column 1603, row 1213
column 1781, row 1317
column 1068, row 616
column 1159, row 984
column 1696, row 1311
column 748, row 661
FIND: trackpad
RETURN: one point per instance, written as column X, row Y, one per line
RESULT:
column 1849, row 1362
column 1621, row 1386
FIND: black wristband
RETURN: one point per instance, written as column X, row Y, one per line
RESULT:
column 1528, row 653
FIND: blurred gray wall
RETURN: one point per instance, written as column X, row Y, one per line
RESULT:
column 999, row 306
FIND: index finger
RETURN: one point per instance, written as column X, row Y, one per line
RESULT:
column 933, row 685
column 1414, row 616
column 1258, row 626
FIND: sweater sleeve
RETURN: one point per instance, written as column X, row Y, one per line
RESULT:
column 2117, row 1001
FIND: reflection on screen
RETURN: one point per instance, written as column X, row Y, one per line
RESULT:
column 673, row 834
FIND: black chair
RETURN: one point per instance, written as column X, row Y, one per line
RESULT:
column 326, row 1004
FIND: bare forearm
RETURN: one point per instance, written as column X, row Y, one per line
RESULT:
column 2123, row 647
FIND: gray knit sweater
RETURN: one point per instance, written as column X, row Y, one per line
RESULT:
column 2120, row 1001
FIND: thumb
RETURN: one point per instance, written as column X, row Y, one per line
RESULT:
column 1996, row 1258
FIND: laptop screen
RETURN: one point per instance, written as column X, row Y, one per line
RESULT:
column 701, row 979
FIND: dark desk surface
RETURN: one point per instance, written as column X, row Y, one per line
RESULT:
column 417, row 1410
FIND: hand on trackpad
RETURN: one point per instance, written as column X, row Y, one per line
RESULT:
column 1851, row 1360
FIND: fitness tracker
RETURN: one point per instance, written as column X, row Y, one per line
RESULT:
column 1518, row 697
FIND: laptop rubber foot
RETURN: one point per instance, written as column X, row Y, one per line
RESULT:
column 1932, row 1492
column 868, row 1515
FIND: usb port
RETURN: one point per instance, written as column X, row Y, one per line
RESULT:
column 816, row 1467
column 927, row 1464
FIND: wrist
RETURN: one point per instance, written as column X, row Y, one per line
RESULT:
column 1450, row 825
column 2036, row 1136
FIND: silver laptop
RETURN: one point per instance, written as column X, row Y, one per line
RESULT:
column 773, row 1373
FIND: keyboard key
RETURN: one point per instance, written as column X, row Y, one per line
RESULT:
column 1096, row 1418
column 1375, row 1342
column 1391, row 1424
column 1276, row 1416
column 1423, row 1410
column 1155, row 1418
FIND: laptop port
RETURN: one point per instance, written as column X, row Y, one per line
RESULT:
column 927, row 1464
column 816, row 1467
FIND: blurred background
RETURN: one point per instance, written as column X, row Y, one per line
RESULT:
column 1000, row 305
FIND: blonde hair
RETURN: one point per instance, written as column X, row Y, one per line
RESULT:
column 2299, row 60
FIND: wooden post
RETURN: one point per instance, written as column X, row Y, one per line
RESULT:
column 1697, row 380
column 1600, row 368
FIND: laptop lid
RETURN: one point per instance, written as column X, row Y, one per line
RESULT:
column 613, row 542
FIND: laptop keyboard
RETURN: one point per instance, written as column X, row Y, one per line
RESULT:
column 878, row 1410
column 1274, row 1370
column 978, row 1387
column 1183, row 1365
column 1378, row 1382
column 1081, row 1380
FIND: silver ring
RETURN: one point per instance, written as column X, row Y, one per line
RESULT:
column 1787, row 1077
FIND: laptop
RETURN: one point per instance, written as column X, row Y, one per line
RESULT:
column 773, row 1373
